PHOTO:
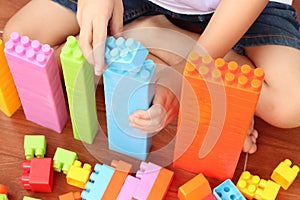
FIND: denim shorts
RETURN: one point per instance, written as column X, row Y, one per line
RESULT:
column 276, row 25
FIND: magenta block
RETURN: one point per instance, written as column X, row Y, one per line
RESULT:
column 128, row 189
column 36, row 75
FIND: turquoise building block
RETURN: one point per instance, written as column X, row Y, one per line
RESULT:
column 63, row 159
column 227, row 191
column 98, row 183
column 128, row 86
column 79, row 82
column 34, row 145
column 3, row 197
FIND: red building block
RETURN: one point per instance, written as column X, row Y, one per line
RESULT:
column 38, row 174
column 210, row 197
column 70, row 196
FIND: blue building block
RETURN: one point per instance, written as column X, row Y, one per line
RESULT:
column 227, row 191
column 98, row 183
column 128, row 86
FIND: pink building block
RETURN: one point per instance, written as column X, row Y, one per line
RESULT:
column 37, row 79
column 147, row 174
column 129, row 188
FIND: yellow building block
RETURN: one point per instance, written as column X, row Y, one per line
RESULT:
column 247, row 184
column 78, row 176
column 284, row 174
column 9, row 98
column 267, row 190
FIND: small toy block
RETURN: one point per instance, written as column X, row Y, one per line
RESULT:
column 79, row 175
column 98, row 183
column 9, row 98
column 248, row 184
column 36, row 75
column 267, row 190
column 122, row 170
column 210, row 197
column 129, row 79
column 129, row 188
column 3, row 189
column 70, row 196
column 217, row 104
column 148, row 174
column 196, row 188
column 29, row 198
column 79, row 82
column 63, row 159
column 161, row 185
column 3, row 197
column 34, row 145
column 284, row 174
column 227, row 191
column 38, row 174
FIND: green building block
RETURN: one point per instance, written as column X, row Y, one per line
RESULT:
column 29, row 198
column 63, row 159
column 79, row 82
column 34, row 145
column 3, row 197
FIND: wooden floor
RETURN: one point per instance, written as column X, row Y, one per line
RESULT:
column 274, row 145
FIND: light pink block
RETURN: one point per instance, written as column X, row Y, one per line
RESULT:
column 147, row 174
column 128, row 189
column 37, row 79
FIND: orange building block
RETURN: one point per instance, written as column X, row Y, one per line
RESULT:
column 122, row 169
column 3, row 189
column 218, row 101
column 9, row 98
column 70, row 196
column 161, row 184
column 195, row 189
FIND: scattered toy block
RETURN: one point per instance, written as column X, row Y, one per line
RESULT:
column 3, row 189
column 129, row 188
column 63, row 159
column 29, row 198
column 98, row 183
column 34, row 145
column 79, row 82
column 218, row 101
column 38, row 174
column 70, row 196
column 267, row 190
column 128, row 77
column 9, row 98
column 210, row 197
column 285, row 174
column 196, row 188
column 122, row 170
column 3, row 197
column 227, row 191
column 79, row 175
column 248, row 184
column 35, row 72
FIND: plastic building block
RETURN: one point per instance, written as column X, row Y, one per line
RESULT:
column 267, row 190
column 122, row 170
column 217, row 104
column 248, row 184
column 3, row 197
column 38, row 174
column 37, row 79
column 196, row 188
column 70, row 196
column 3, row 189
column 227, row 191
column 79, row 82
column 34, row 145
column 148, row 174
column 284, row 174
column 29, row 198
column 63, row 159
column 129, row 188
column 98, row 183
column 161, row 185
column 9, row 98
column 79, row 175
column 128, row 77
column 210, row 197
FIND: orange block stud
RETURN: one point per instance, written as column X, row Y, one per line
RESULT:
column 9, row 98
column 70, row 196
column 122, row 169
column 218, row 101
column 195, row 189
column 248, row 184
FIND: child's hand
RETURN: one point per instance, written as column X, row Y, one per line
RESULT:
column 93, row 17
column 164, row 109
